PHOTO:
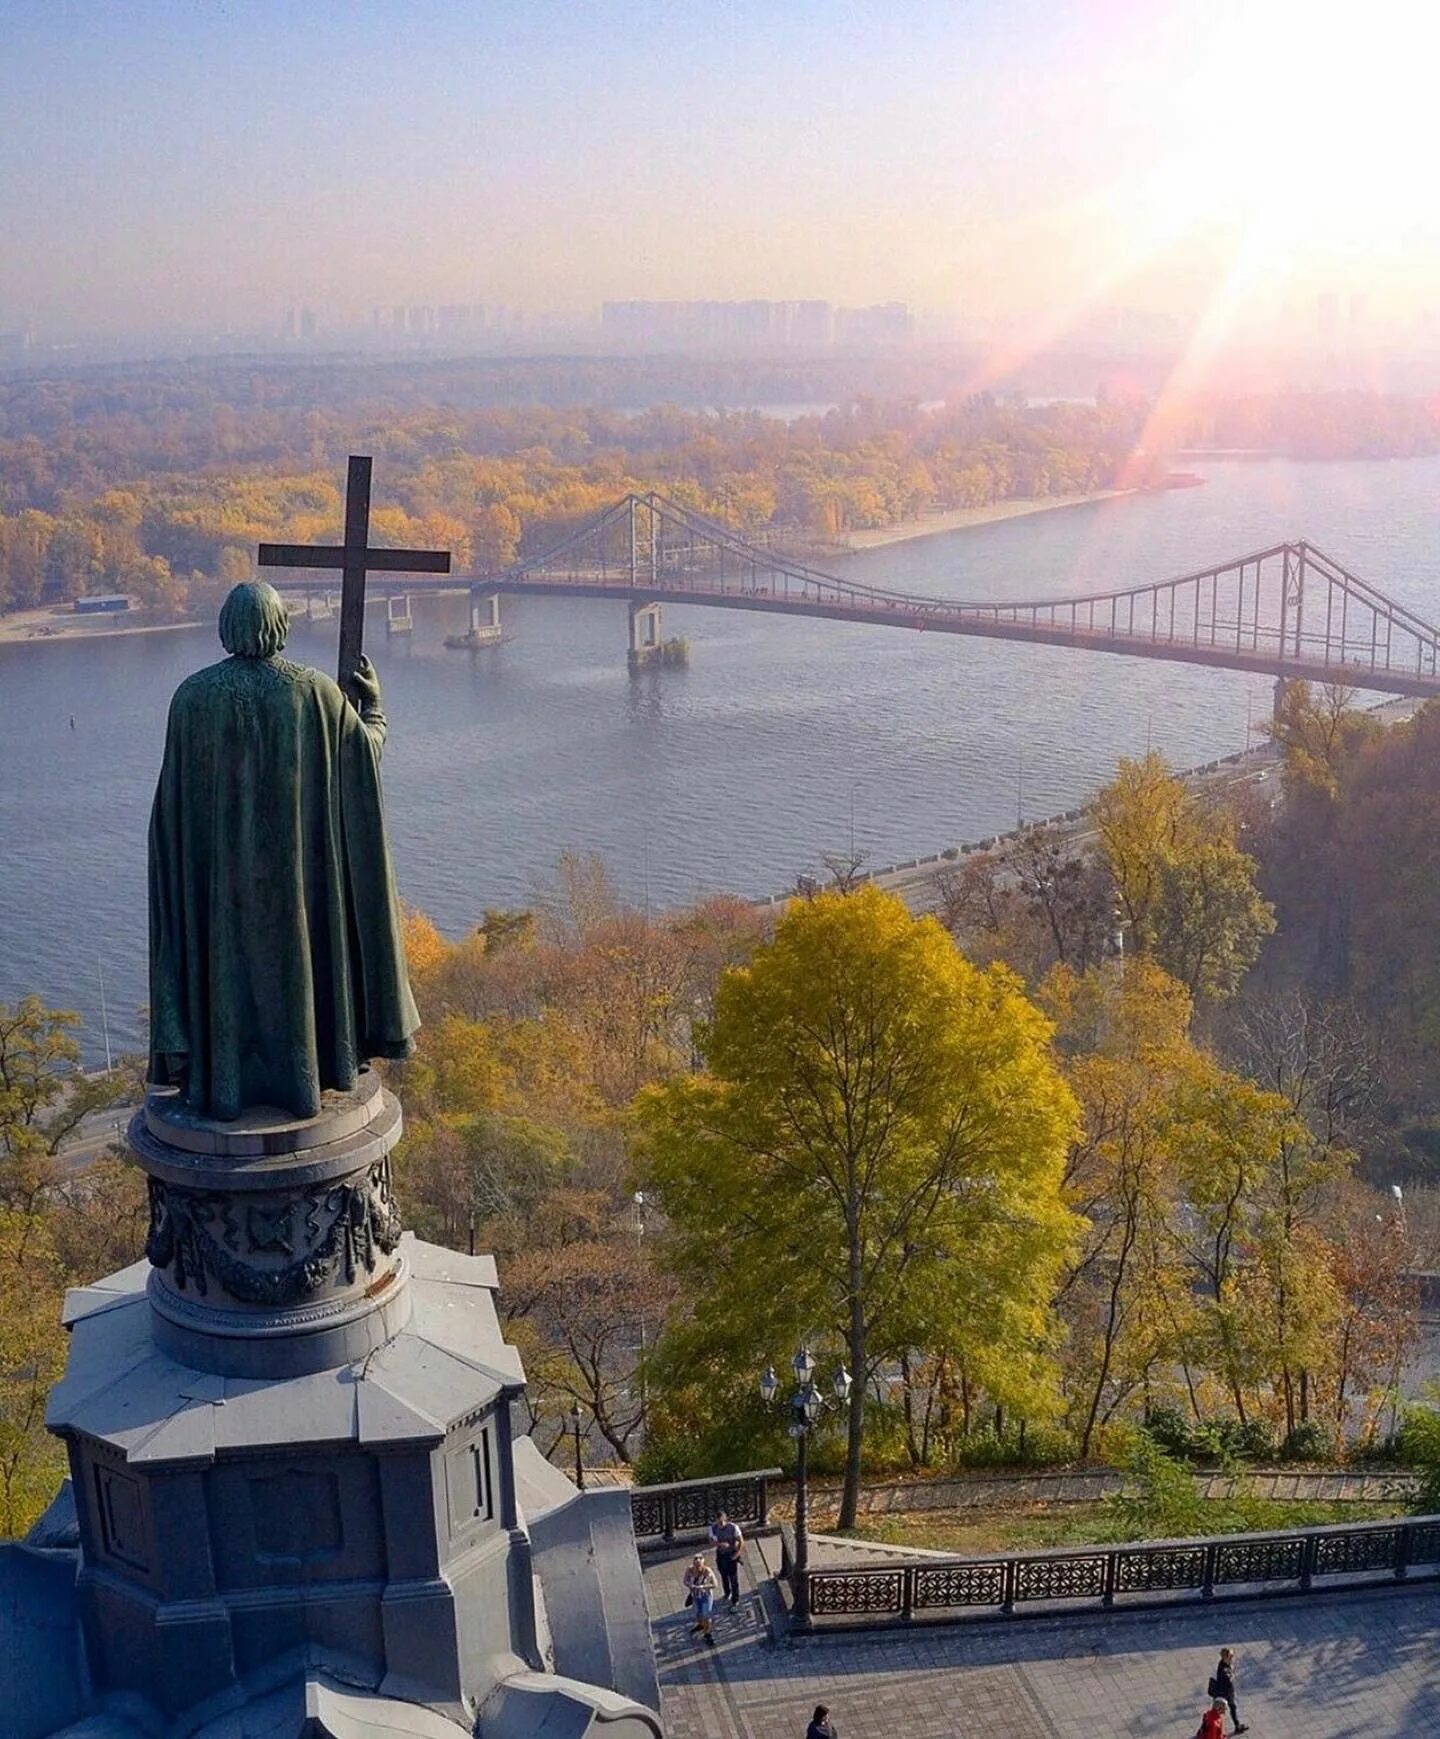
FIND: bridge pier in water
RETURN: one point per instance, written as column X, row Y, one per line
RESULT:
column 484, row 617
column 484, row 629
column 398, row 621
column 647, row 647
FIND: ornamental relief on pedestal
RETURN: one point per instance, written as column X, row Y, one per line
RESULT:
column 335, row 1232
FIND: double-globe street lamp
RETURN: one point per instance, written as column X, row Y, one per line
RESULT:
column 806, row 1406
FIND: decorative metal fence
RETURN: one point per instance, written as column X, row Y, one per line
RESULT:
column 1305, row 1560
column 661, row 1512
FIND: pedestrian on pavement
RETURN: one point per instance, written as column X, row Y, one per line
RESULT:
column 821, row 1726
column 1223, row 1687
column 729, row 1544
column 700, row 1594
column 1212, row 1722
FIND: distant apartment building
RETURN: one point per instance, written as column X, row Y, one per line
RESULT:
column 1120, row 328
column 810, row 325
column 875, row 328
column 754, row 325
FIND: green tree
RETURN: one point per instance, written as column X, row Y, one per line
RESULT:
column 1318, row 730
column 1187, row 890
column 1126, row 1297
column 873, row 1154
column 43, row 1095
column 1211, row 919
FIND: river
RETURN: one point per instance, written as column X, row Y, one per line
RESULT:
column 736, row 773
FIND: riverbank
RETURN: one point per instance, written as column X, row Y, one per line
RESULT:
column 963, row 518
column 59, row 622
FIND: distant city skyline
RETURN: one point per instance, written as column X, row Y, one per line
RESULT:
column 197, row 165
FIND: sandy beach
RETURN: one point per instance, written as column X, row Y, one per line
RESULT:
column 59, row 622
column 962, row 518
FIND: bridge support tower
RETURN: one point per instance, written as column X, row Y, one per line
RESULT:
column 484, row 629
column 647, row 646
column 484, row 618
column 398, row 619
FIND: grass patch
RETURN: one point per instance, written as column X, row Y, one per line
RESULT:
column 1033, row 1527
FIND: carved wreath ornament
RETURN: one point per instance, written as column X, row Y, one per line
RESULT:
column 341, row 1229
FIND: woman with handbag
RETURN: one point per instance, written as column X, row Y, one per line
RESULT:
column 700, row 1594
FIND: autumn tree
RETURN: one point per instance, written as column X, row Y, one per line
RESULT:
column 1187, row 890
column 1318, row 731
column 32, row 1356
column 43, row 1097
column 1126, row 1295
column 873, row 1152
column 590, row 1293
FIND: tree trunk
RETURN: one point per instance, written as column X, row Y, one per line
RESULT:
column 907, row 1401
column 855, row 1442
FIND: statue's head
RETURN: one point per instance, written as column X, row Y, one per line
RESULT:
column 254, row 622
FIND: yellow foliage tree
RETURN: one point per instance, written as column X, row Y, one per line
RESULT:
column 875, row 1151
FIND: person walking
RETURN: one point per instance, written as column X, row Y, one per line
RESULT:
column 1212, row 1722
column 1223, row 1687
column 821, row 1726
column 729, row 1544
column 700, row 1594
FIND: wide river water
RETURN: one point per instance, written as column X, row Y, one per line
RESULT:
column 736, row 773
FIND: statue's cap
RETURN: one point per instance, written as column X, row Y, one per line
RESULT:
column 254, row 622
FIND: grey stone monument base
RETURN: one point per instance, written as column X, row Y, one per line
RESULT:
column 274, row 1239
column 294, row 1483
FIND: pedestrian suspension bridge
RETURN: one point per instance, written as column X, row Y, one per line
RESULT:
column 1289, row 611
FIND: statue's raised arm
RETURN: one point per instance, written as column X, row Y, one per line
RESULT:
column 277, row 965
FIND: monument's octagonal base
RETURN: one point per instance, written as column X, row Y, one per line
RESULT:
column 291, row 1457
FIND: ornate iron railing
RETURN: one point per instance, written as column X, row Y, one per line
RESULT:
column 1302, row 1561
column 663, row 1512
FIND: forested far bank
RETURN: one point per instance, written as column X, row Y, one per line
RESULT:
column 168, row 513
column 160, row 484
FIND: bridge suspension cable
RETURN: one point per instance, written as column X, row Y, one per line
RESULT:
column 1288, row 610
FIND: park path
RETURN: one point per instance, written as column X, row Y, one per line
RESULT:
column 1005, row 1490
column 1316, row 1668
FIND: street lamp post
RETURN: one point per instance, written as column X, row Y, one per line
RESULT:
column 575, row 1426
column 639, row 1204
column 806, row 1406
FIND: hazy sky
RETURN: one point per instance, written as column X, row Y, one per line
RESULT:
column 213, row 161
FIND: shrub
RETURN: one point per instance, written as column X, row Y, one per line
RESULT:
column 1162, row 1499
column 1044, row 1446
column 1252, row 1441
column 1309, row 1441
column 1420, row 1450
column 664, row 1460
column 1170, row 1429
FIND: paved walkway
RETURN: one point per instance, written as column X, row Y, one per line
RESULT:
column 1308, row 1669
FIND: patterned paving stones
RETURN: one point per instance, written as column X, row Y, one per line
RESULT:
column 1309, row 1669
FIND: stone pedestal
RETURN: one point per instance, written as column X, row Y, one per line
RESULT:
column 291, row 1457
column 274, row 1241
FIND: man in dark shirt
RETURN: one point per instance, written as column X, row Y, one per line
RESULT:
column 729, row 1543
column 1223, row 1686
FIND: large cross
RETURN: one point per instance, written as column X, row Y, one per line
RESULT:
column 354, row 558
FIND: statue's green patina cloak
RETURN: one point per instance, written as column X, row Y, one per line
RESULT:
column 277, row 965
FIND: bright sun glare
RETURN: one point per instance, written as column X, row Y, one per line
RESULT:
column 1310, row 121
